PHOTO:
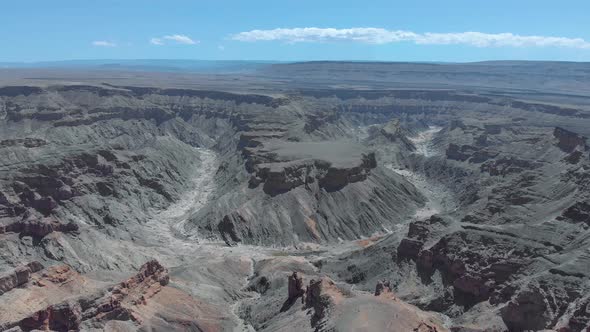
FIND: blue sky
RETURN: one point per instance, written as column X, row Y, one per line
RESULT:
column 434, row 30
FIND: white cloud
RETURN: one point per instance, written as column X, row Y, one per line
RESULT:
column 182, row 39
column 384, row 36
column 156, row 41
column 103, row 43
column 179, row 39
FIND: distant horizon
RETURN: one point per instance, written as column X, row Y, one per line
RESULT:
column 271, row 61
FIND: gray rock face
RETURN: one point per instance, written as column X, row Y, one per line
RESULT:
column 577, row 213
column 568, row 141
column 295, row 288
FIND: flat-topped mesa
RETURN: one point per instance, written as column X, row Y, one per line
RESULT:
column 19, row 276
column 337, row 178
column 332, row 165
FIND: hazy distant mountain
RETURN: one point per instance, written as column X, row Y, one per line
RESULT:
column 227, row 66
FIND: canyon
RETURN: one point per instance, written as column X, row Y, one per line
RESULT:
column 319, row 196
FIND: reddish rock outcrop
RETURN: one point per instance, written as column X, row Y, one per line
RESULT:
column 119, row 302
column 56, row 274
column 423, row 327
column 382, row 287
column 61, row 317
column 18, row 276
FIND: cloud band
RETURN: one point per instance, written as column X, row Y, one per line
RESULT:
column 179, row 39
column 103, row 43
column 384, row 36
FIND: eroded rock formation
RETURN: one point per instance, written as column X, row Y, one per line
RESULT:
column 321, row 295
column 295, row 286
column 382, row 287
column 39, row 228
column 121, row 302
column 19, row 276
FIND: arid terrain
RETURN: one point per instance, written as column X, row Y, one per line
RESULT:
column 318, row 196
